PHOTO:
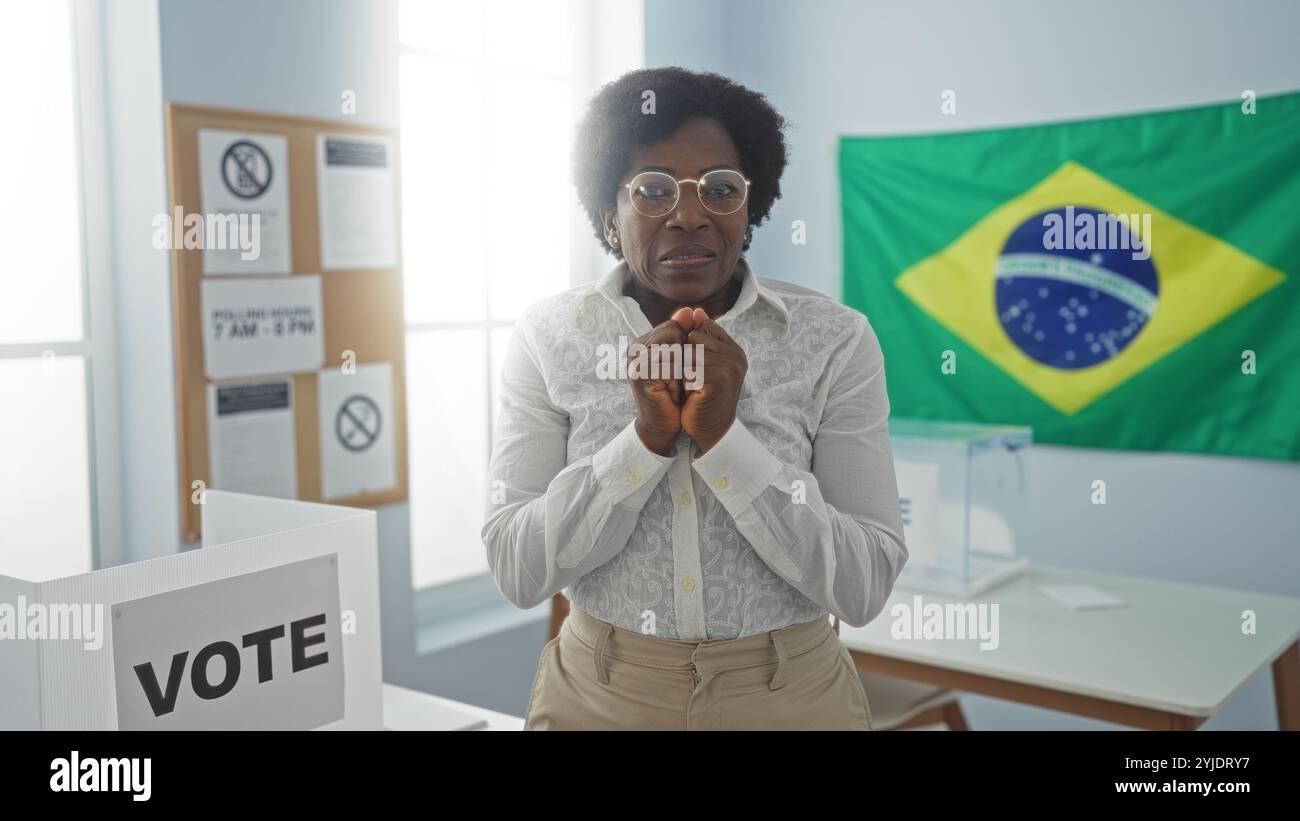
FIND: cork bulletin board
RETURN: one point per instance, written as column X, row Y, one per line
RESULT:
column 361, row 308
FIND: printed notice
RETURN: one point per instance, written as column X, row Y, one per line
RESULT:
column 244, row 194
column 356, row 431
column 1081, row 596
column 918, row 501
column 251, row 438
column 358, row 206
column 255, row 327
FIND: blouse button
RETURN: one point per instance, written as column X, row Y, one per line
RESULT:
column 686, row 499
column 720, row 482
column 688, row 584
column 633, row 477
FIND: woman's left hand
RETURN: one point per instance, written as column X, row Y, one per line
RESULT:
column 709, row 411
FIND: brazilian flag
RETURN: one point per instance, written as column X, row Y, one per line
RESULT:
column 1131, row 282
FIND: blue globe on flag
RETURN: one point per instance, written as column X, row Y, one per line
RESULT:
column 1070, row 307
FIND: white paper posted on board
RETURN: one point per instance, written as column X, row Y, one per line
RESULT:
column 256, row 327
column 251, row 446
column 357, row 453
column 358, row 206
column 244, row 195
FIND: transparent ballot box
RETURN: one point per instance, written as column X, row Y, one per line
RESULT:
column 963, row 490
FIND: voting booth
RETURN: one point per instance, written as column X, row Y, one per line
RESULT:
column 272, row 624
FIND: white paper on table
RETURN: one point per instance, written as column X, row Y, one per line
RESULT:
column 246, row 174
column 356, row 430
column 251, row 445
column 254, row 327
column 426, row 715
column 358, row 202
column 1081, row 596
column 918, row 500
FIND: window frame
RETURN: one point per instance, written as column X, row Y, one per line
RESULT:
column 611, row 38
column 96, row 346
column 434, row 603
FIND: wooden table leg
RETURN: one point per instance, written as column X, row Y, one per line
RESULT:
column 1286, row 688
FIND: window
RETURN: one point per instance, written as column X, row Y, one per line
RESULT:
column 489, row 95
column 48, row 359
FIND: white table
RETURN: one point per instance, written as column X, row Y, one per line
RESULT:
column 1169, row 660
column 406, row 709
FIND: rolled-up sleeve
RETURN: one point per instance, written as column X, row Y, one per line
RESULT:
column 834, row 534
column 548, row 523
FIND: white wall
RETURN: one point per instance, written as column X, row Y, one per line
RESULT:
column 836, row 67
column 293, row 57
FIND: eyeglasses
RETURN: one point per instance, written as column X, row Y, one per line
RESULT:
column 655, row 194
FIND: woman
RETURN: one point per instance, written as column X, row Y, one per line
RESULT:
column 701, row 524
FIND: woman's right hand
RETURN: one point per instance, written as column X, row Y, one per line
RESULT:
column 659, row 401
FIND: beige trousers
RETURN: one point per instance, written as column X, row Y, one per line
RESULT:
column 594, row 676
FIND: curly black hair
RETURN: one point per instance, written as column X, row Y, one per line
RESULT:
column 614, row 128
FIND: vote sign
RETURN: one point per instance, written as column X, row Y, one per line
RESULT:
column 261, row 650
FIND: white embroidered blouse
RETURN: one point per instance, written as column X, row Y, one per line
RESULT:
column 793, row 513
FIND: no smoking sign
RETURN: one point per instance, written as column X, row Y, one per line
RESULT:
column 358, row 423
column 246, row 170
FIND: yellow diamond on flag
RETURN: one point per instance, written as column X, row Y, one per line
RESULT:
column 1193, row 281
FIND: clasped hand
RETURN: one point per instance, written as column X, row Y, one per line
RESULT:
column 666, row 406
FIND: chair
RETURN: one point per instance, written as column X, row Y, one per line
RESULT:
column 896, row 704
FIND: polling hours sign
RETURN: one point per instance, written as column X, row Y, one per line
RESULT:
column 258, row 651
column 253, row 327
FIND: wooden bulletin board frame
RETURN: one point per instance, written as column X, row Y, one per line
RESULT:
column 362, row 309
